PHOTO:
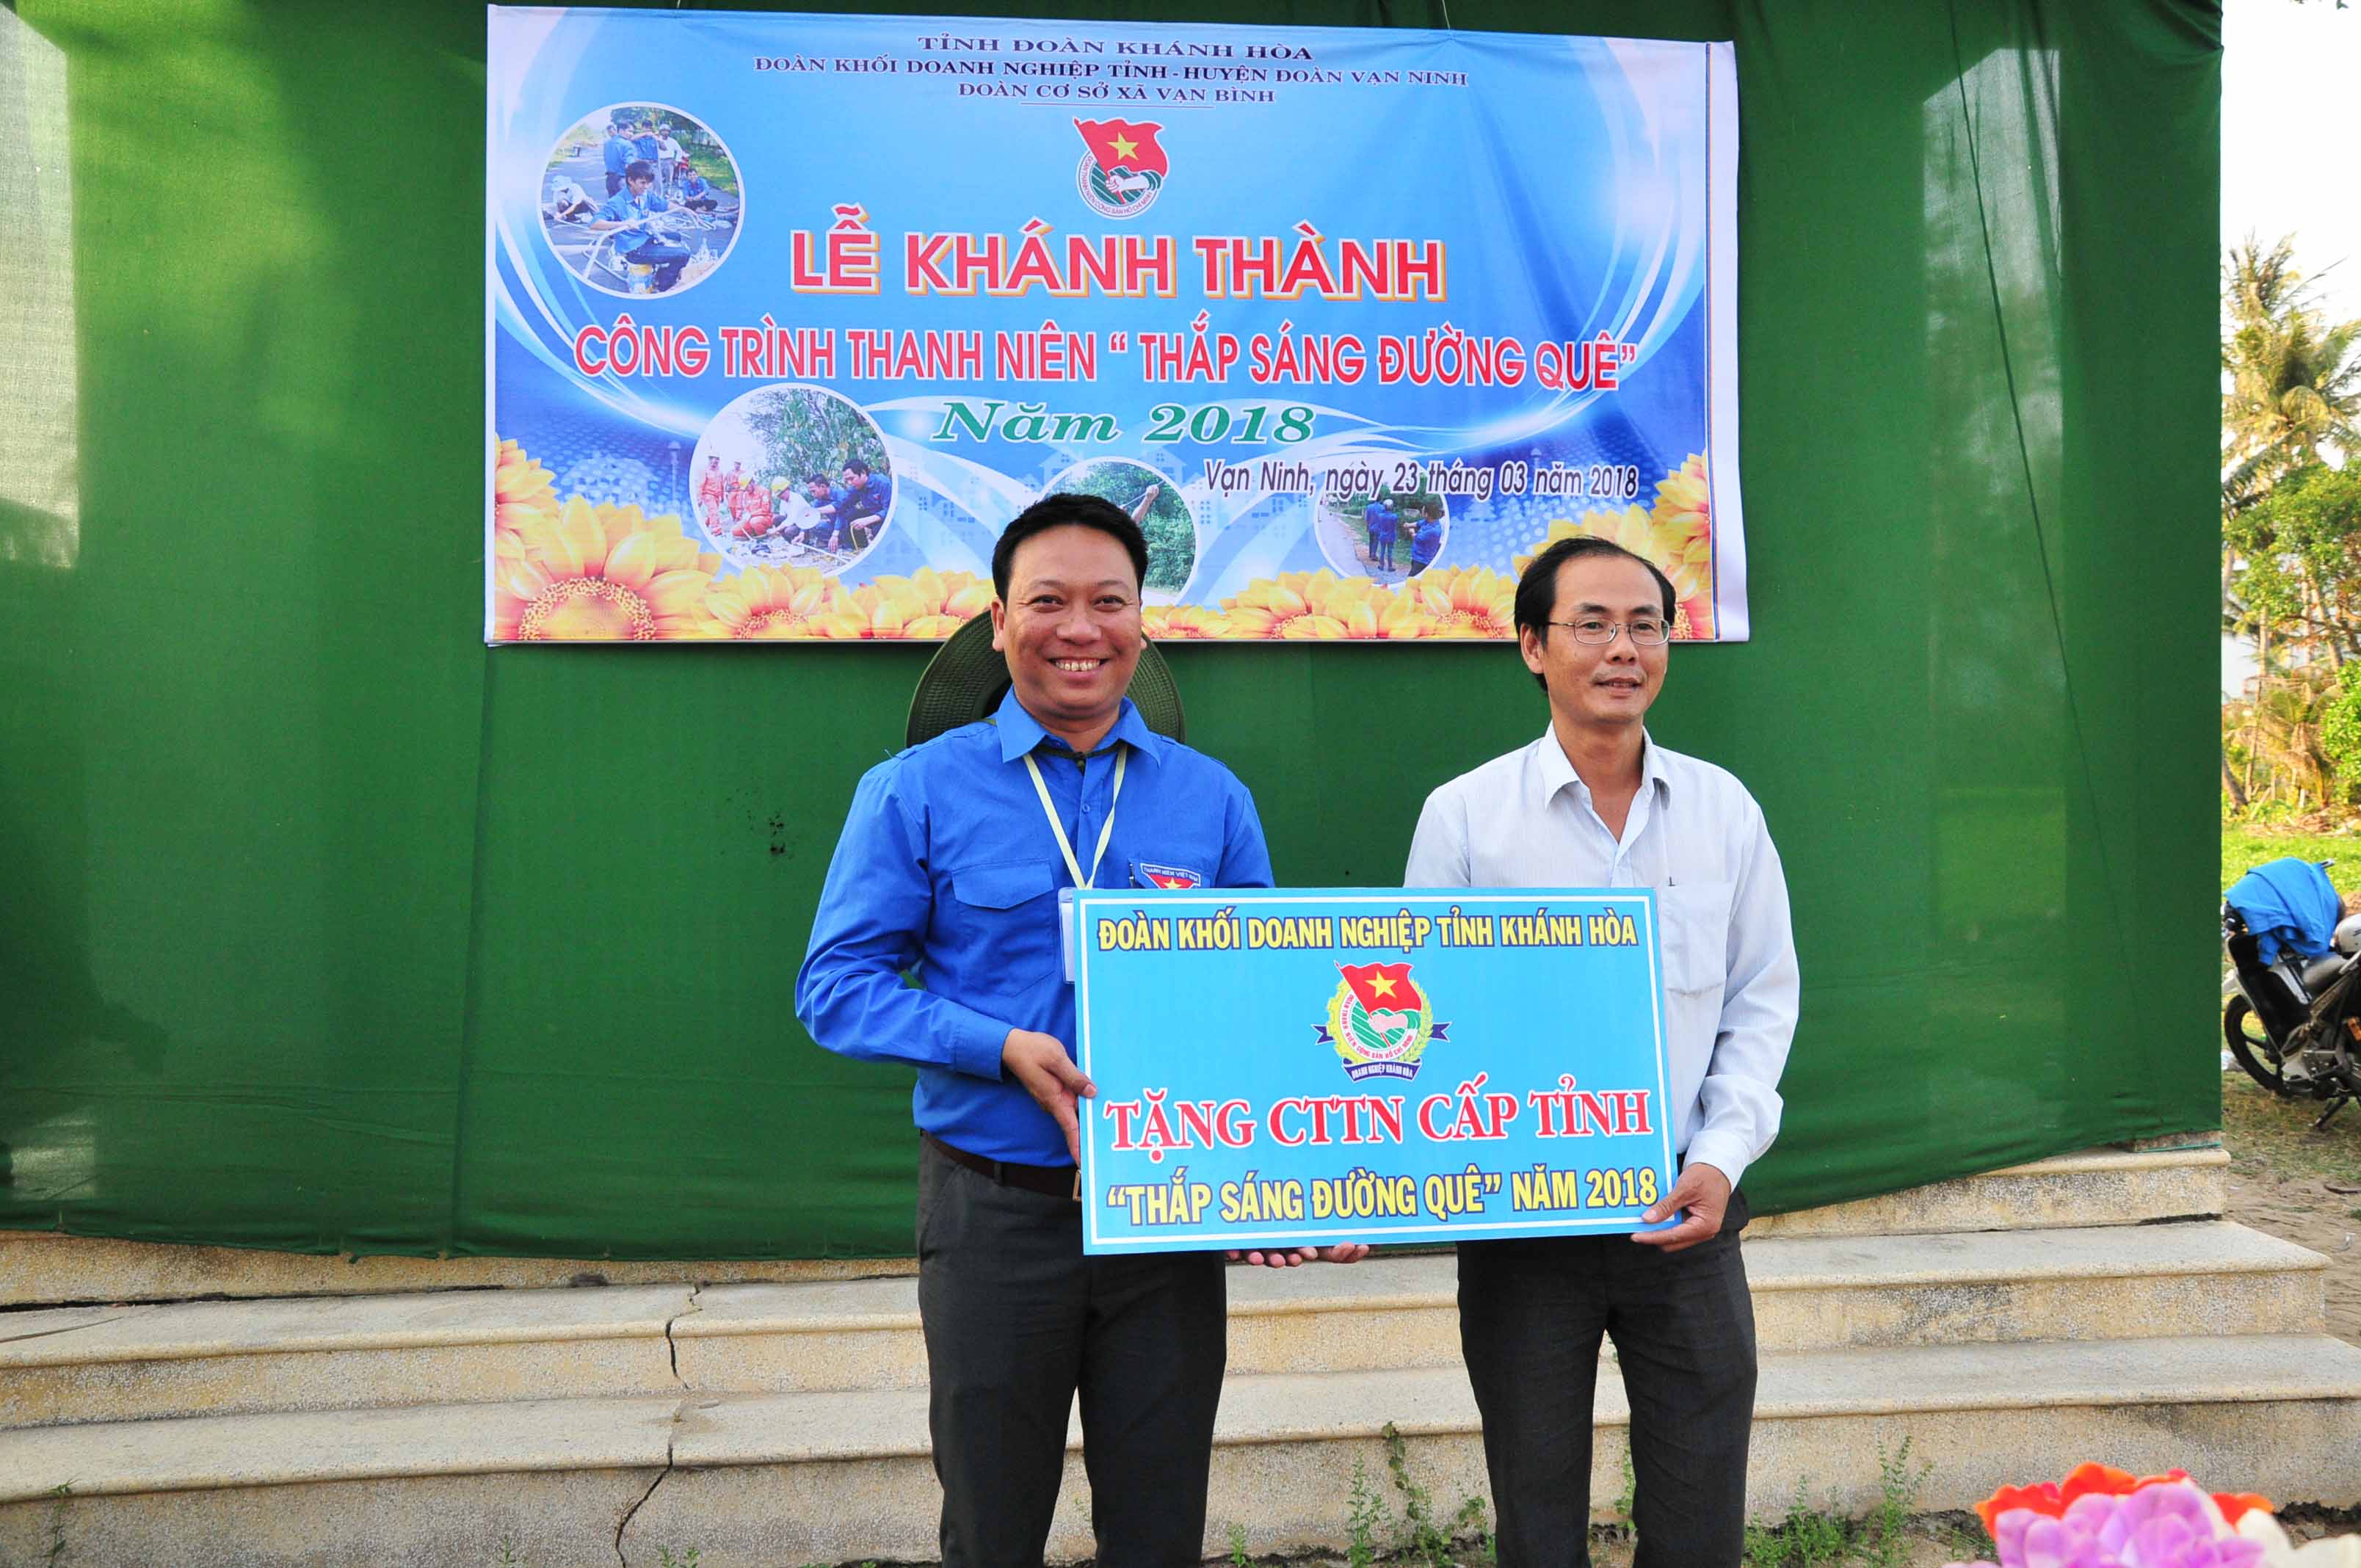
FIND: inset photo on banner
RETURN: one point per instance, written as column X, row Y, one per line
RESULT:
column 639, row 199
column 1155, row 502
column 792, row 475
column 1388, row 535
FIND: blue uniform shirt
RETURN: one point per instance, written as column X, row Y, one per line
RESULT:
column 693, row 185
column 1429, row 539
column 623, row 207
column 872, row 497
column 619, row 151
column 1379, row 518
column 947, row 869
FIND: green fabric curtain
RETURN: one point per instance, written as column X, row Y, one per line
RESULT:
column 325, row 928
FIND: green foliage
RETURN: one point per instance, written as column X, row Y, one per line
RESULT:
column 510, row 1556
column 2294, row 382
column 1805, row 1538
column 1238, row 1558
column 1809, row 1536
column 1422, row 1536
column 2340, row 727
column 805, row 431
column 1882, row 1543
column 1365, row 1515
column 1171, row 531
column 666, row 1560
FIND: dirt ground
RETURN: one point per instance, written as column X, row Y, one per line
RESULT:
column 2301, row 1185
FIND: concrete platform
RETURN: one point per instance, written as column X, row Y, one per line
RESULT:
column 2176, row 1179
column 160, row 1360
column 828, row 1477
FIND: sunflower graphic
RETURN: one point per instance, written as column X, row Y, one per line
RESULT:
column 521, row 488
column 926, row 606
column 598, row 573
column 1474, row 602
column 1675, row 534
column 1181, row 623
column 772, row 602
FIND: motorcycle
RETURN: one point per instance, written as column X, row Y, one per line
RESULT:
column 2295, row 1023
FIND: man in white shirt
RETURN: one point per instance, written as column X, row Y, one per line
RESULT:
column 1595, row 803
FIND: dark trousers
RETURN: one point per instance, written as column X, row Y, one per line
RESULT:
column 1016, row 1322
column 1530, row 1314
column 614, row 183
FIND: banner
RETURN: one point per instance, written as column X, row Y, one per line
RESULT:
column 1297, row 1068
column 786, row 316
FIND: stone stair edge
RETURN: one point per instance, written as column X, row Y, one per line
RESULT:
column 1776, row 1265
column 692, row 1431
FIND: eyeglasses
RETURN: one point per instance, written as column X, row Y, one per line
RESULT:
column 1598, row 634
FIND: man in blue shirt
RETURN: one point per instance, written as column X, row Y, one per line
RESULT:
column 949, row 870
column 619, row 153
column 637, row 244
column 1427, row 543
column 1380, row 521
column 863, row 502
column 643, row 138
column 696, row 191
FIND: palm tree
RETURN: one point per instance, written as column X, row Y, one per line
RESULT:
column 2293, row 381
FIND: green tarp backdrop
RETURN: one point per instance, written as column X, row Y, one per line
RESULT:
column 322, row 928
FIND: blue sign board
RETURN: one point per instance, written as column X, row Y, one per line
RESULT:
column 1312, row 1066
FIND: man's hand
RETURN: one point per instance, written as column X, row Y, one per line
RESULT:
column 1704, row 1191
column 1291, row 1257
column 1038, row 1062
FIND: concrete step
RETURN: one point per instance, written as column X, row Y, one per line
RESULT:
column 838, row 1476
column 147, row 1361
column 2091, row 1187
column 2177, row 1179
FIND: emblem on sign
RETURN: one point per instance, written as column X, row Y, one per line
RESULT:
column 1120, row 175
column 1379, row 1020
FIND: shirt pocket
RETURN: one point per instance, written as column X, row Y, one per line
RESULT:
column 1002, row 925
column 1695, row 930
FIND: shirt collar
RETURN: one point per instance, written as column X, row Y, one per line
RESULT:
column 1020, row 732
column 1557, row 772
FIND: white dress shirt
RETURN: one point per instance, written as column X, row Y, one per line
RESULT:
column 1695, row 836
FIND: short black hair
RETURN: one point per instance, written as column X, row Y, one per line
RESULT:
column 1066, row 509
column 1537, row 589
column 815, row 480
column 639, row 169
column 857, row 465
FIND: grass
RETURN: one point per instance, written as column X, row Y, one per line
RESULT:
column 2244, row 849
column 2264, row 1131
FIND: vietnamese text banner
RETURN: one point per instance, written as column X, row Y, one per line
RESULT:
column 1306, row 1067
column 786, row 316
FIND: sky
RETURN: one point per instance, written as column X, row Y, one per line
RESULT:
column 2288, row 74
column 2288, row 156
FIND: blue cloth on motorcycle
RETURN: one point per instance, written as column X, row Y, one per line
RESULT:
column 2287, row 903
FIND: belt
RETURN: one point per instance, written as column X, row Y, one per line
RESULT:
column 1056, row 1180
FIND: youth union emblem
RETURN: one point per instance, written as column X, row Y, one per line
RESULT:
column 1123, row 169
column 1379, row 1020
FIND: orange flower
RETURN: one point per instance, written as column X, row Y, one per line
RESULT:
column 772, row 601
column 598, row 573
column 1676, row 535
column 521, row 488
column 1269, row 605
column 926, row 606
column 1181, row 622
column 1464, row 602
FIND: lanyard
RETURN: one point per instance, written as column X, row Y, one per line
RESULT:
column 1065, row 846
